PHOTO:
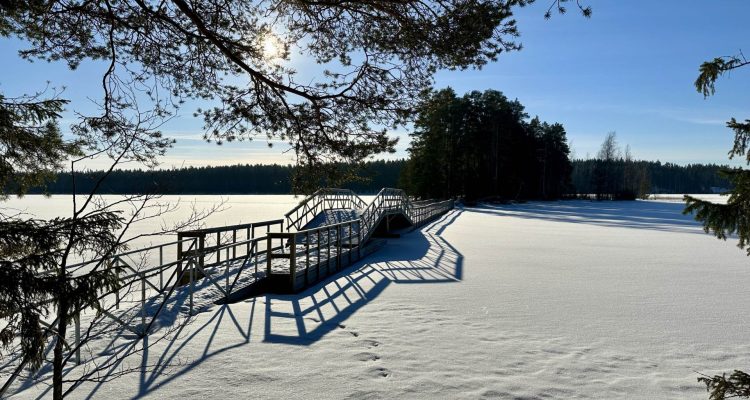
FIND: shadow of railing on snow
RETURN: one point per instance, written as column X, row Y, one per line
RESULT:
column 651, row 215
column 423, row 256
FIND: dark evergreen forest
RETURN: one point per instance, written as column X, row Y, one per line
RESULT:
column 482, row 145
column 650, row 177
column 234, row 179
column 454, row 154
column 275, row 179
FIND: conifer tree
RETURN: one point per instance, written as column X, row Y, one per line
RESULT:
column 34, row 280
column 37, row 283
column 732, row 218
column 480, row 145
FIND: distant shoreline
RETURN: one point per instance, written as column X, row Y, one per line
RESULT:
column 259, row 179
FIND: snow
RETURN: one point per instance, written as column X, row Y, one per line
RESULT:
column 571, row 299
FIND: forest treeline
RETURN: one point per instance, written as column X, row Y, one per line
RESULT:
column 233, row 179
column 477, row 146
column 653, row 177
column 615, row 175
column 275, row 179
column 482, row 145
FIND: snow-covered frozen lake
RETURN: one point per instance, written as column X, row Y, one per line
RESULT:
column 557, row 300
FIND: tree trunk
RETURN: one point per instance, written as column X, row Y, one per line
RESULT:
column 57, row 362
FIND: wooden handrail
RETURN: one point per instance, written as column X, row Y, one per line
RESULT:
column 321, row 200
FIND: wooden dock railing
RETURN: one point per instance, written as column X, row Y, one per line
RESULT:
column 395, row 201
column 320, row 201
column 212, row 241
column 315, row 249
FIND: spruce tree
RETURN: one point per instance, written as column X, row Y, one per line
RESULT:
column 732, row 218
column 481, row 146
column 35, row 282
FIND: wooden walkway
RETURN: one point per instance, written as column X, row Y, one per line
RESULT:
column 328, row 231
column 325, row 233
column 323, row 247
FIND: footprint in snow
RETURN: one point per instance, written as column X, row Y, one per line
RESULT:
column 369, row 343
column 380, row 372
column 366, row 356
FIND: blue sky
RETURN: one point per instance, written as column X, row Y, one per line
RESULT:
column 628, row 69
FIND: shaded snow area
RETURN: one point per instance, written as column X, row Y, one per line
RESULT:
column 577, row 299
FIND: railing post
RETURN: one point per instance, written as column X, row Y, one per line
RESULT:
column 248, row 238
column 191, row 273
column 328, row 250
column 201, row 246
column 254, row 252
column 293, row 260
column 338, row 247
column 218, row 251
column 180, row 237
column 143, row 303
column 161, row 270
column 359, row 239
column 307, row 255
column 226, row 284
column 317, row 247
column 234, row 240
column 349, row 244
column 268, row 254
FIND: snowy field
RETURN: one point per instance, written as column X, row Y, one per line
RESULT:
column 574, row 299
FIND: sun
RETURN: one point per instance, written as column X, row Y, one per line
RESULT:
column 273, row 49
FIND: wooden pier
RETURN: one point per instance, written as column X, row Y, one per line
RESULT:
column 328, row 231
column 319, row 248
